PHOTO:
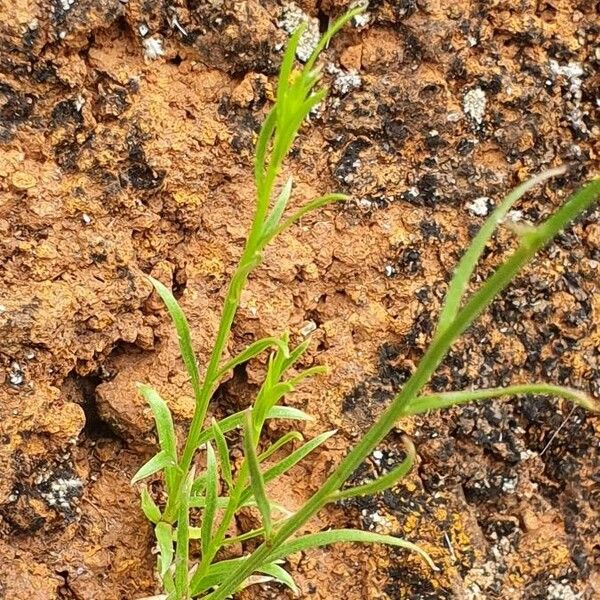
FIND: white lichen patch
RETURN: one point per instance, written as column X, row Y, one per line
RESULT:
column 480, row 206
column 376, row 522
column 344, row 81
column 513, row 216
column 153, row 48
column 474, row 103
column 561, row 590
column 61, row 492
column 66, row 4
column 16, row 375
column 363, row 18
column 377, row 457
column 292, row 17
column 509, row 485
column 573, row 72
column 79, row 102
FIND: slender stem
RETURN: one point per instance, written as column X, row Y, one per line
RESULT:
column 438, row 348
column 249, row 257
column 444, row 400
column 217, row 540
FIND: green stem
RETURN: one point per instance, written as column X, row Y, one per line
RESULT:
column 249, row 258
column 424, row 404
column 478, row 302
column 219, row 536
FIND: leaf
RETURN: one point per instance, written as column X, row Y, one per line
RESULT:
column 257, row 483
column 295, row 354
column 210, row 509
column 333, row 536
column 280, row 575
column 262, row 145
column 182, row 548
column 468, row 262
column 318, row 370
column 252, row 351
column 385, row 481
column 223, row 452
column 149, row 507
column 199, row 485
column 293, row 458
column 269, row 398
column 164, row 538
column 288, row 412
column 237, row 420
column 331, row 31
column 437, row 401
column 220, row 571
column 165, row 430
column 286, row 68
column 304, row 210
column 282, row 441
column 157, row 463
column 183, row 333
column 162, row 418
column 280, row 204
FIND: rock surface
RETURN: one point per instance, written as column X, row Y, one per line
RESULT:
column 126, row 141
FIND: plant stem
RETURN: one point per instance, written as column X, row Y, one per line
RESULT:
column 424, row 404
column 249, row 257
column 438, row 348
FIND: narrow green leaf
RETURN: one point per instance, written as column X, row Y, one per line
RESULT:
column 257, row 483
column 183, row 333
column 236, row 285
column 208, row 515
column 252, row 351
column 385, row 481
column 333, row 536
column 469, row 260
column 244, row 536
column 285, row 464
column 237, row 420
column 149, row 507
column 157, row 463
column 182, row 548
column 292, row 436
column 296, row 354
column 219, row 572
column 288, row 412
column 164, row 538
column 223, row 452
column 285, row 70
column 444, row 400
column 199, row 485
column 331, row 31
column 311, row 372
column 162, row 418
column 279, row 207
column 216, row 574
column 280, row 575
column 165, row 430
column 269, row 398
column 262, row 146
column 307, row 208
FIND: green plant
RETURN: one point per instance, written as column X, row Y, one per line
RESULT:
column 175, row 525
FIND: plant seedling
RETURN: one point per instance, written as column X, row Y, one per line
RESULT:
column 221, row 490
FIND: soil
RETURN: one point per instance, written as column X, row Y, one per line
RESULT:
column 126, row 140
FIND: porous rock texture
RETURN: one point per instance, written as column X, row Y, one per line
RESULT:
column 126, row 142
